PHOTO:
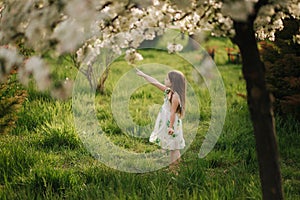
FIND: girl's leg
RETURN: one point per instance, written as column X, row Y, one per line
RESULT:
column 175, row 156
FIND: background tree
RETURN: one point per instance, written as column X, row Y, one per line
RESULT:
column 259, row 102
column 282, row 61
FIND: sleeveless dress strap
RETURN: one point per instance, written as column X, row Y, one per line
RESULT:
column 169, row 93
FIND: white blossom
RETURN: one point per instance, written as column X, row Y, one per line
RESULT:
column 268, row 10
column 83, row 12
column 116, row 49
column 149, row 34
column 173, row 48
column 156, row 2
column 41, row 74
column 38, row 28
column 294, row 9
column 182, row 5
column 296, row 39
column 132, row 56
column 9, row 58
column 238, row 10
column 69, row 34
column 278, row 24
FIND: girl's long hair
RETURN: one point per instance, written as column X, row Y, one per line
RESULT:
column 178, row 84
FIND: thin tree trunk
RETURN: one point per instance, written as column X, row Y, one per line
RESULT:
column 260, row 107
column 101, row 84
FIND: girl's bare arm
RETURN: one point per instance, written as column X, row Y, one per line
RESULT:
column 151, row 80
column 174, row 105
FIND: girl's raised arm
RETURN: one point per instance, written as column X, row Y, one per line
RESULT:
column 151, row 80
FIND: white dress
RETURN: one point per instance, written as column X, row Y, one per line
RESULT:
column 160, row 134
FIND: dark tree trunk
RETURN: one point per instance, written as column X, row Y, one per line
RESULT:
column 101, row 84
column 260, row 107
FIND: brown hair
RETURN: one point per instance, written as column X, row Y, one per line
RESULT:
column 178, row 85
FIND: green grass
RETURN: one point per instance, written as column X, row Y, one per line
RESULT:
column 43, row 157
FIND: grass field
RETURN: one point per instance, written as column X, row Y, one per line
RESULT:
column 44, row 158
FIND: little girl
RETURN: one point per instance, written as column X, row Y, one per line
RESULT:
column 167, row 131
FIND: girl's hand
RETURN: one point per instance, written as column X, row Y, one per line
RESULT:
column 170, row 131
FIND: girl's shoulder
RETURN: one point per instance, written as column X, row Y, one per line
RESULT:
column 175, row 98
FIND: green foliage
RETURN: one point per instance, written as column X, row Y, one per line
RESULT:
column 12, row 96
column 282, row 62
column 42, row 157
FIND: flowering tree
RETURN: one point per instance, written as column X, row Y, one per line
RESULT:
column 87, row 27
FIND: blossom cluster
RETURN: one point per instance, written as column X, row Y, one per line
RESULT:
column 132, row 56
column 173, row 47
column 85, row 27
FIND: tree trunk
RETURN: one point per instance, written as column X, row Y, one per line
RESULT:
column 101, row 83
column 260, row 107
